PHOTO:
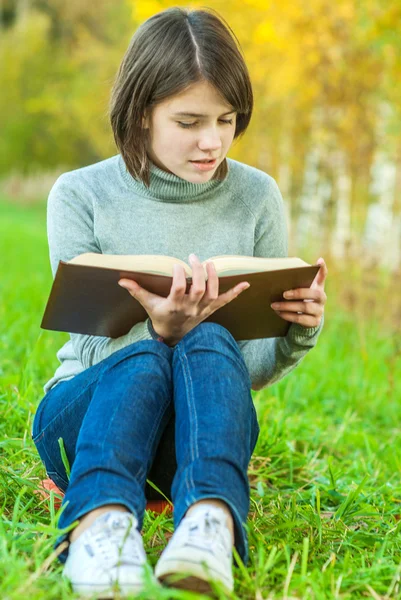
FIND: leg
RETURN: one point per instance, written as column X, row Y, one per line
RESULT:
column 111, row 417
column 216, row 425
column 164, row 464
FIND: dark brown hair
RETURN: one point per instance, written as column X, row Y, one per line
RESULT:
column 169, row 52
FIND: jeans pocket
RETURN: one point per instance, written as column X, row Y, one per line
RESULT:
column 60, row 479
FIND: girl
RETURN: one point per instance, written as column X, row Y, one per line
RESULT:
column 171, row 399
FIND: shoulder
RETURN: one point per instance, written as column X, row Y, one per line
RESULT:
column 263, row 187
column 90, row 177
column 79, row 190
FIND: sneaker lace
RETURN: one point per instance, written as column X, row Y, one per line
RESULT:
column 211, row 530
column 118, row 544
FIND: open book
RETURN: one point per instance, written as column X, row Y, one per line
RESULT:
column 85, row 296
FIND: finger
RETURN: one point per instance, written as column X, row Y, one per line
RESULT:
column 179, row 284
column 311, row 308
column 212, row 281
column 198, row 286
column 232, row 293
column 128, row 284
column 316, row 294
column 144, row 297
column 321, row 274
column 304, row 320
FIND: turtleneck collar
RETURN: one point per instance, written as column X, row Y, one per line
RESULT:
column 167, row 187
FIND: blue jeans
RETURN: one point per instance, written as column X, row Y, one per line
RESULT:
column 182, row 417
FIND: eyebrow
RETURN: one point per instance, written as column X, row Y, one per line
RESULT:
column 188, row 114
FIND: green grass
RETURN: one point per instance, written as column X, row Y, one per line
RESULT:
column 325, row 514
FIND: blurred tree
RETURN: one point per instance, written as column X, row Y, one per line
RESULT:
column 326, row 79
column 58, row 61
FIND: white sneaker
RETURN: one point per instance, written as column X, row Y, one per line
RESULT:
column 108, row 554
column 200, row 548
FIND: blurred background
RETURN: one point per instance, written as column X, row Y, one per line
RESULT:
column 326, row 125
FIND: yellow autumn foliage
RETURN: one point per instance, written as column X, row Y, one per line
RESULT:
column 323, row 73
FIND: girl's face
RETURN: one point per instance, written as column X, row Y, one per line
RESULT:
column 194, row 125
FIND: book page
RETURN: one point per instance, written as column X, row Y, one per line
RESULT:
column 146, row 263
column 237, row 264
column 163, row 265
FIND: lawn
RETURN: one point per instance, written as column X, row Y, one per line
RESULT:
column 325, row 514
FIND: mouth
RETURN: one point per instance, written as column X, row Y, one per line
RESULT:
column 204, row 164
column 204, row 160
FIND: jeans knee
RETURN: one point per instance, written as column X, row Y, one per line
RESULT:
column 213, row 336
column 211, row 328
column 144, row 358
column 210, row 333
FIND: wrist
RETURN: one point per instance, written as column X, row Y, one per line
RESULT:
column 154, row 333
column 160, row 338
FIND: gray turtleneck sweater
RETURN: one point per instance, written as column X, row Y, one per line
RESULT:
column 102, row 208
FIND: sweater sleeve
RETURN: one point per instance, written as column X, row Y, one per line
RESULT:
column 70, row 231
column 269, row 359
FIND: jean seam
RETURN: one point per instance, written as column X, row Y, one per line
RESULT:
column 66, row 406
column 38, row 437
column 141, row 471
column 193, row 430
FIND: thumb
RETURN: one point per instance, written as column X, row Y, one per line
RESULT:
column 139, row 293
column 321, row 274
column 129, row 285
column 133, row 288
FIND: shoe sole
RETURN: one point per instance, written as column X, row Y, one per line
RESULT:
column 108, row 593
column 190, row 576
column 191, row 583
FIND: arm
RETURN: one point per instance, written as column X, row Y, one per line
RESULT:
column 70, row 230
column 268, row 360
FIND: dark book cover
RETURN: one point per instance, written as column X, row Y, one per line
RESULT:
column 88, row 299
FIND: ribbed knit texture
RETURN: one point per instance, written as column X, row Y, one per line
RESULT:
column 102, row 208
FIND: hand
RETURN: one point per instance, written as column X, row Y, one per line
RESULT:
column 309, row 311
column 174, row 316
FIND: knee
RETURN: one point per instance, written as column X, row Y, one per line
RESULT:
column 144, row 358
column 212, row 337
column 209, row 332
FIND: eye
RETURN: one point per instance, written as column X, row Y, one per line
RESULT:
column 188, row 125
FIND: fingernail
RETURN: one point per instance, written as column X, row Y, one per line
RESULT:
column 288, row 294
column 123, row 285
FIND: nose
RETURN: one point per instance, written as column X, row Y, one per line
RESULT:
column 210, row 140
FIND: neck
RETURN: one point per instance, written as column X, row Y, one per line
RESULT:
column 167, row 187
